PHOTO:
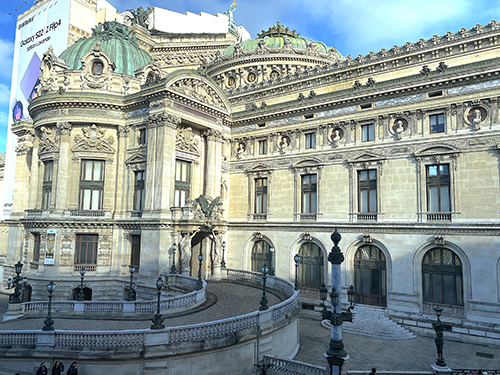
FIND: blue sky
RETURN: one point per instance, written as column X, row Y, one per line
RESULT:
column 352, row 26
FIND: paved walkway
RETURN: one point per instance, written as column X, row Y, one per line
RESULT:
column 414, row 354
column 232, row 300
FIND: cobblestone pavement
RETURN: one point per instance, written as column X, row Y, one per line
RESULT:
column 416, row 354
column 232, row 300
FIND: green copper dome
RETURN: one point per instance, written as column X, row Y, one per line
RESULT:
column 115, row 42
column 275, row 37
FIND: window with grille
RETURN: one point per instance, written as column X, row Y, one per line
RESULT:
column 262, row 147
column 442, row 279
column 310, row 140
column 438, row 188
column 86, row 249
column 48, row 174
column 367, row 190
column 437, row 123
column 139, row 191
column 367, row 132
column 182, row 182
column 309, row 193
column 135, row 253
column 91, row 184
column 260, row 196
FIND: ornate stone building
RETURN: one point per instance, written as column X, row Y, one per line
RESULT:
column 267, row 145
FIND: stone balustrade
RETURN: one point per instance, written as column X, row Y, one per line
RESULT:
column 290, row 367
column 186, row 301
column 213, row 334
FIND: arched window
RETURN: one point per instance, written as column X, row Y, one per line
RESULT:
column 261, row 255
column 310, row 266
column 442, row 277
column 97, row 68
column 370, row 276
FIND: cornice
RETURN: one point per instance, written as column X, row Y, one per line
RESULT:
column 418, row 83
column 372, row 228
column 422, row 52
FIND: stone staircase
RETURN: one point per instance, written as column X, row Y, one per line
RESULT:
column 371, row 321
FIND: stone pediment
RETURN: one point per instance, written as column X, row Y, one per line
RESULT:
column 440, row 149
column 259, row 169
column 310, row 162
column 138, row 157
column 366, row 156
column 200, row 89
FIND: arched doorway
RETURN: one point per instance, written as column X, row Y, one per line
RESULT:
column 310, row 272
column 370, row 276
column 442, row 278
column 261, row 254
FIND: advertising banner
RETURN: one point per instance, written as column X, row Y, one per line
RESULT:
column 43, row 26
column 51, row 246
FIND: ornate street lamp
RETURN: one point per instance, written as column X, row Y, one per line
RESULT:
column 49, row 322
column 263, row 300
column 16, row 283
column 223, row 262
column 438, row 327
column 200, row 283
column 322, row 295
column 130, row 294
column 336, row 353
column 296, row 260
column 173, row 269
column 81, row 295
column 158, row 319
column 271, row 268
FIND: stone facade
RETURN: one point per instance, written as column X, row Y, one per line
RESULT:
column 398, row 149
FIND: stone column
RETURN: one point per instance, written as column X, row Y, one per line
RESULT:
column 160, row 174
column 213, row 162
column 60, row 193
column 121, row 172
column 35, row 177
column 24, row 154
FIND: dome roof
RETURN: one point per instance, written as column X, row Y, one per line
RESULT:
column 275, row 37
column 115, row 42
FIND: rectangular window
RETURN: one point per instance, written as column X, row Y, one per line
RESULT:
column 262, row 147
column 367, row 190
column 48, row 172
column 310, row 140
column 182, row 182
column 261, row 196
column 135, row 255
column 36, row 247
column 139, row 191
column 367, row 132
column 438, row 188
column 309, row 194
column 86, row 249
column 91, row 184
column 143, row 136
column 437, row 123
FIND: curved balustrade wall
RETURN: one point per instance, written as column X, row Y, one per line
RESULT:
column 246, row 337
column 192, row 298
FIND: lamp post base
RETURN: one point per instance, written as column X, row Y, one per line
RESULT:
column 158, row 322
column 441, row 370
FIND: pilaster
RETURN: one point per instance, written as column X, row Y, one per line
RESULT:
column 61, row 198
column 162, row 131
column 213, row 160
column 24, row 151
